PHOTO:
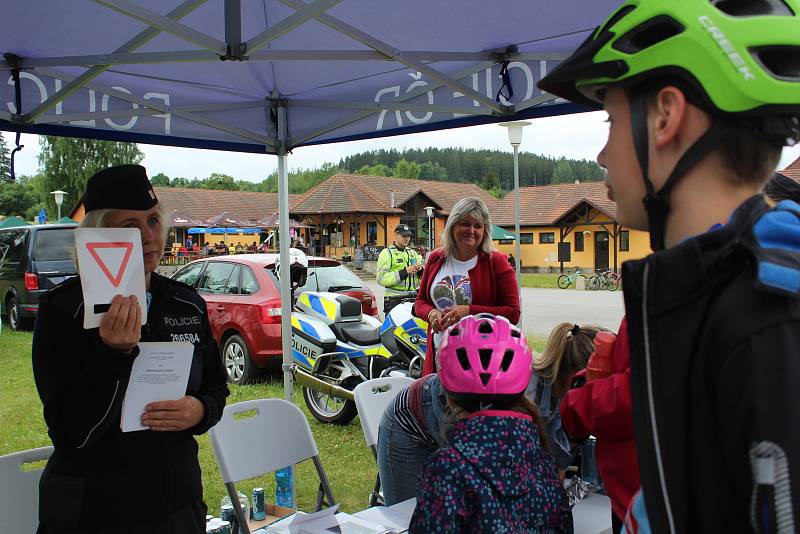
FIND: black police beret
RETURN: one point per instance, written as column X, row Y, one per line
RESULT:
column 124, row 187
column 403, row 229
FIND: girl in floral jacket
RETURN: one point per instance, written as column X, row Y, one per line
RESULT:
column 496, row 475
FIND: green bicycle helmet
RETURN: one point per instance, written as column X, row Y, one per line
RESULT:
column 739, row 60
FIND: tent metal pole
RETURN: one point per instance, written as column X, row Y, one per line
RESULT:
column 179, row 12
column 391, row 106
column 408, row 96
column 152, row 104
column 105, row 61
column 389, row 51
column 285, row 283
column 518, row 245
column 165, row 24
column 285, row 280
column 143, row 112
column 298, row 18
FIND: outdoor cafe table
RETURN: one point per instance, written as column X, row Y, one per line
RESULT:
column 590, row 516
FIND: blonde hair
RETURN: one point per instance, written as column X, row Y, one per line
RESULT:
column 99, row 218
column 567, row 351
column 468, row 207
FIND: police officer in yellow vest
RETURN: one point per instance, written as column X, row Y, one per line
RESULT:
column 399, row 269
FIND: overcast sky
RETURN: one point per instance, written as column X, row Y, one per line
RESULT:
column 579, row 136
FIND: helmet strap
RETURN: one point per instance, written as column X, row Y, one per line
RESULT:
column 656, row 203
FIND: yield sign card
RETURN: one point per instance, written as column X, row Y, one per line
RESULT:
column 110, row 262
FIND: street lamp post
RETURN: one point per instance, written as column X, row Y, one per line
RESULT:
column 515, row 138
column 59, row 200
column 429, row 213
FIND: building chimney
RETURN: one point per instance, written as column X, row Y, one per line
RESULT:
column 391, row 199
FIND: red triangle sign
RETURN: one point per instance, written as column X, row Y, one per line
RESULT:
column 128, row 246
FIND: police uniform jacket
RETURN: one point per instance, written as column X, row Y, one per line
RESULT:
column 391, row 269
column 99, row 476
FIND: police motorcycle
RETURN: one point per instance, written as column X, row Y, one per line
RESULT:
column 335, row 347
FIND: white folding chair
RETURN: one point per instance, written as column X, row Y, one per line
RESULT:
column 19, row 489
column 261, row 436
column 372, row 397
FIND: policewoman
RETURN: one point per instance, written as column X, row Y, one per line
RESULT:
column 99, row 479
column 399, row 268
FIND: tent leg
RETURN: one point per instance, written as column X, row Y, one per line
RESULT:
column 285, row 282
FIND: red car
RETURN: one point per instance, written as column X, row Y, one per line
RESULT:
column 244, row 302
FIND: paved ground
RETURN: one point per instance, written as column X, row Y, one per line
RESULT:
column 542, row 309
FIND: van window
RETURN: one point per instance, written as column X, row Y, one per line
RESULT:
column 54, row 245
column 11, row 243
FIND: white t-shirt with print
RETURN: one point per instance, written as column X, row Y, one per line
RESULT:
column 451, row 286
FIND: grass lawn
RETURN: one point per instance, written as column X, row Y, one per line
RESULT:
column 347, row 460
column 545, row 280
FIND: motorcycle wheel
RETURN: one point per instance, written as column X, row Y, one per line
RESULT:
column 329, row 409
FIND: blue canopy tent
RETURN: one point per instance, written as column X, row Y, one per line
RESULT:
column 271, row 75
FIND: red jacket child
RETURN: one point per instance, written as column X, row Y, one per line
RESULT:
column 494, row 290
column 602, row 408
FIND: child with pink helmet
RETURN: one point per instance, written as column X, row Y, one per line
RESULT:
column 496, row 474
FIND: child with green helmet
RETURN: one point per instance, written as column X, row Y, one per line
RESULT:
column 701, row 97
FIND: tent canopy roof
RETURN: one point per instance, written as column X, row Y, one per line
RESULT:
column 214, row 74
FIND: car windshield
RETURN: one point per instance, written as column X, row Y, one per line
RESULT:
column 54, row 244
column 331, row 278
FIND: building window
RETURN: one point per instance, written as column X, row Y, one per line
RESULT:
column 526, row 239
column 624, row 240
column 578, row 241
column 506, row 241
column 372, row 232
column 547, row 237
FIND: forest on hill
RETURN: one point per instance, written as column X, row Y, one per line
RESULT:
column 65, row 164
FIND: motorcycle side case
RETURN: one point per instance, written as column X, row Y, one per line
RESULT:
column 329, row 307
column 402, row 325
column 311, row 337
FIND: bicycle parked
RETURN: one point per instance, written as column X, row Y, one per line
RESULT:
column 609, row 280
column 568, row 279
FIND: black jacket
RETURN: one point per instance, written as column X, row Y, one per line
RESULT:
column 715, row 360
column 99, row 476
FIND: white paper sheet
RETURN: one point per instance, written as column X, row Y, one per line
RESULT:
column 110, row 263
column 160, row 372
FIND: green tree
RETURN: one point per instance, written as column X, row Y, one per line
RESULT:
column 563, row 173
column 432, row 171
column 160, row 180
column 67, row 163
column 5, row 161
column 489, row 181
column 406, row 169
column 17, row 198
column 219, row 181
column 375, row 170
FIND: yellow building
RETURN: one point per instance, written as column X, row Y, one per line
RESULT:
column 347, row 209
column 566, row 226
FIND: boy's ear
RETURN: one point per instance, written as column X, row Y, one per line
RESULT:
column 670, row 114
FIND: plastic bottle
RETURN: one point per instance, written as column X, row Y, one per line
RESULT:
column 245, row 504
column 601, row 362
column 283, row 487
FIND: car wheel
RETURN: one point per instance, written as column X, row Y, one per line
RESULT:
column 328, row 409
column 238, row 364
column 15, row 320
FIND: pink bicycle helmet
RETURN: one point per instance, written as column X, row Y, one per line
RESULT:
column 484, row 355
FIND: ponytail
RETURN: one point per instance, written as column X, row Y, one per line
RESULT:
column 567, row 351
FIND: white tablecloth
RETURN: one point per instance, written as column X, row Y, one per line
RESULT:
column 590, row 516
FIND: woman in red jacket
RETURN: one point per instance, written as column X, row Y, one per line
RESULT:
column 465, row 276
